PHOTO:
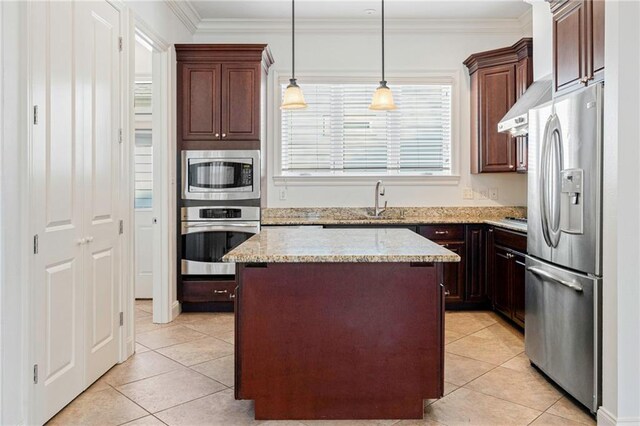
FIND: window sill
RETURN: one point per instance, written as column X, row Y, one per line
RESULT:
column 364, row 180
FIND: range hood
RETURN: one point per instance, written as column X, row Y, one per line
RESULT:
column 516, row 121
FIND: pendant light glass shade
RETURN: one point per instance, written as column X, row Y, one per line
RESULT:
column 293, row 97
column 382, row 97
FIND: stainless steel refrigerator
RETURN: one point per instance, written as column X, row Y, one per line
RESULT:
column 563, row 287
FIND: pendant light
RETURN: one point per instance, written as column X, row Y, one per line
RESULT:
column 293, row 97
column 382, row 97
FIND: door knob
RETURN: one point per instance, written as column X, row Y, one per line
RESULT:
column 89, row 239
column 81, row 241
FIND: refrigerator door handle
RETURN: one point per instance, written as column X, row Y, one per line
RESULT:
column 544, row 274
column 544, row 218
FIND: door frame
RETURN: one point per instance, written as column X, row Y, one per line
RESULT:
column 165, row 305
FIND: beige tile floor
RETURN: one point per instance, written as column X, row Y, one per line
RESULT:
column 182, row 374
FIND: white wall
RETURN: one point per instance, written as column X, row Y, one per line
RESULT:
column 621, row 225
column 542, row 38
column 408, row 52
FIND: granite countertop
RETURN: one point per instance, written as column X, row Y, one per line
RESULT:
column 392, row 216
column 304, row 245
column 508, row 224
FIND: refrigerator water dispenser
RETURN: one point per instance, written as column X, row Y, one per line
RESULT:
column 572, row 204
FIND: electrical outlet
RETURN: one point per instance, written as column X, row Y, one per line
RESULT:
column 484, row 194
column 283, row 194
column 493, row 193
column 467, row 194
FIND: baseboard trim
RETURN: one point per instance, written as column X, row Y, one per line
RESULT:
column 175, row 310
column 606, row 418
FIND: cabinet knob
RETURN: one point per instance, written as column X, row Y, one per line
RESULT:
column 511, row 166
column 224, row 135
column 447, row 293
column 232, row 296
column 217, row 135
column 584, row 80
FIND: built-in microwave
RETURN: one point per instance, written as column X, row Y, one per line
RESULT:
column 221, row 175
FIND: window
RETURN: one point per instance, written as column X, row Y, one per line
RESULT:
column 338, row 134
column 143, row 152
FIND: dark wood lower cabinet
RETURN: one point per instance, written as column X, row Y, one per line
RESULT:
column 506, row 266
column 453, row 275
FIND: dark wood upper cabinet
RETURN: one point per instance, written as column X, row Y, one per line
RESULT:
column 200, row 101
column 498, row 78
column 220, row 88
column 241, row 102
column 578, row 43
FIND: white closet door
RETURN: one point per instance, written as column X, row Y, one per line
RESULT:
column 56, row 210
column 98, row 29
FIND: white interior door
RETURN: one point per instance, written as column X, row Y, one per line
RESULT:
column 56, row 188
column 98, row 29
column 144, row 253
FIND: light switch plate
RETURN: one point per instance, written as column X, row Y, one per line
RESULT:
column 467, row 194
column 283, row 194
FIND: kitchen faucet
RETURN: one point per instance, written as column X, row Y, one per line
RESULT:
column 379, row 191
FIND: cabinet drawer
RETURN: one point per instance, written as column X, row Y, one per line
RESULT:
column 512, row 240
column 208, row 291
column 442, row 232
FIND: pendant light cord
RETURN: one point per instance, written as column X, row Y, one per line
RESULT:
column 382, row 40
column 293, row 39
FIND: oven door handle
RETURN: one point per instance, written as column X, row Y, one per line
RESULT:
column 190, row 228
column 194, row 161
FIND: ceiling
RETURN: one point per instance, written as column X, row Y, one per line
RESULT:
column 355, row 9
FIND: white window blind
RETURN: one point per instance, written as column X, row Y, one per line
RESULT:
column 338, row 133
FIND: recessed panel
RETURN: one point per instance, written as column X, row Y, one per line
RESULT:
column 60, row 110
column 61, row 318
column 104, row 139
column 103, row 291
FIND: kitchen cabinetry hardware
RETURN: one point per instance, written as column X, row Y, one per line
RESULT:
column 220, row 291
column 544, row 274
column 441, row 232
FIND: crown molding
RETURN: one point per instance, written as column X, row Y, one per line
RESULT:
column 408, row 25
column 186, row 13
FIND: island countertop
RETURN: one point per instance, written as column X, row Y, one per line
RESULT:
column 300, row 245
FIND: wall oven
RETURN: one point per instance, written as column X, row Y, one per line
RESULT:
column 221, row 175
column 208, row 233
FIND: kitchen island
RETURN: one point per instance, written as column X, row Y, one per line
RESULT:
column 339, row 323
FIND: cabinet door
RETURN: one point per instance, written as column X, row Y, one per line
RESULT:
column 596, row 37
column 502, row 283
column 241, row 102
column 496, row 95
column 475, row 288
column 200, row 101
column 454, row 274
column 569, row 45
column 517, row 287
column 524, row 76
column 490, row 267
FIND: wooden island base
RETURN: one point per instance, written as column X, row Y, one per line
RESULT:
column 339, row 340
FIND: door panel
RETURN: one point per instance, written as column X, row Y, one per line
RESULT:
column 502, row 274
column 561, row 337
column 56, row 211
column 144, row 254
column 597, row 37
column 580, row 117
column 240, row 102
column 569, row 45
column 200, row 101
column 517, row 288
column 99, row 25
column 454, row 274
column 497, row 96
